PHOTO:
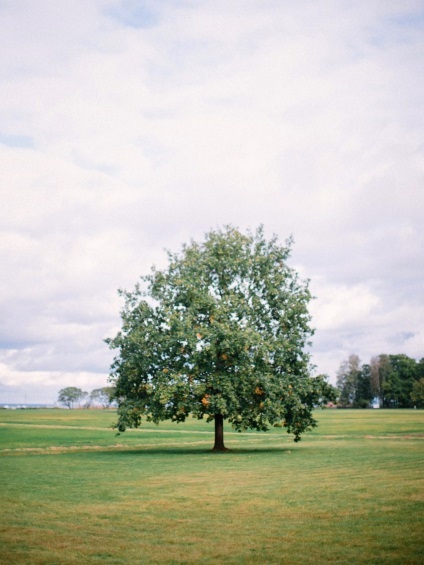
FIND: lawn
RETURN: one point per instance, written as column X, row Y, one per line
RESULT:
column 74, row 492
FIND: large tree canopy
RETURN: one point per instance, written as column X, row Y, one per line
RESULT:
column 219, row 333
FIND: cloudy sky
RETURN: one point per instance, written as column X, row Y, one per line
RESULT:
column 130, row 126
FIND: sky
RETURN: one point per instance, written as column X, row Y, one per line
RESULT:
column 129, row 127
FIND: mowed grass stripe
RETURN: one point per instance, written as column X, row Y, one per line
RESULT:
column 267, row 501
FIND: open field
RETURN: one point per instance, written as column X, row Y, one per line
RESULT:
column 72, row 492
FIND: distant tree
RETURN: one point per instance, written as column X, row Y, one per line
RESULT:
column 382, row 371
column 71, row 396
column 419, row 372
column 347, row 380
column 417, row 394
column 399, row 381
column 390, row 378
column 221, row 333
column 375, row 379
column 103, row 396
column 363, row 393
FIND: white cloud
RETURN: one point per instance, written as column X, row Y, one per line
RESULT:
column 129, row 127
column 344, row 307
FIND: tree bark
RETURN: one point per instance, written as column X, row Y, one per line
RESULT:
column 219, row 433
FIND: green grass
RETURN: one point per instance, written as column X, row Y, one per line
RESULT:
column 73, row 492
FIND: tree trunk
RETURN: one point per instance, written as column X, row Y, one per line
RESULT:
column 219, row 433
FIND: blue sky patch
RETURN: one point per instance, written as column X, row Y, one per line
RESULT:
column 11, row 140
column 134, row 14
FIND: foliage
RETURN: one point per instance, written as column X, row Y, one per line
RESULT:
column 70, row 396
column 363, row 393
column 219, row 333
column 417, row 394
column 103, row 396
column 347, row 380
column 390, row 378
column 398, row 384
column 396, row 377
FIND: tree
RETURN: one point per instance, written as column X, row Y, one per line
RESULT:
column 347, row 380
column 399, row 381
column 219, row 333
column 376, row 379
column 390, row 378
column 381, row 374
column 420, row 369
column 417, row 394
column 71, row 395
column 363, row 395
column 103, row 396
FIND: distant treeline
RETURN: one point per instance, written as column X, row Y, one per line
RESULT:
column 390, row 381
column 73, row 397
column 387, row 381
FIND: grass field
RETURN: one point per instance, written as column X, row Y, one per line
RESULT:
column 72, row 492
